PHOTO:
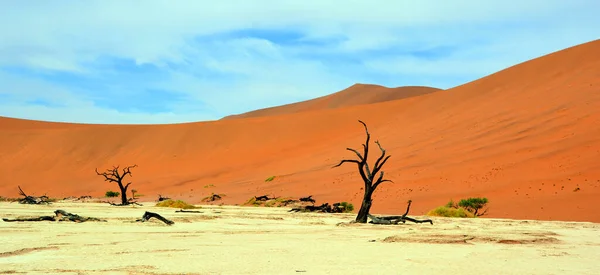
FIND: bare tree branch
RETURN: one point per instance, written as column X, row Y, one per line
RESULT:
column 347, row 160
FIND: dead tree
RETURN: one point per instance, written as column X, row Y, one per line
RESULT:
column 161, row 198
column 148, row 215
column 308, row 199
column 31, row 199
column 114, row 175
column 397, row 219
column 367, row 175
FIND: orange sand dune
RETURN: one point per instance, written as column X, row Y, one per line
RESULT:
column 526, row 138
column 357, row 94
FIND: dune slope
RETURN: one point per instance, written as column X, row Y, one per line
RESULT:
column 527, row 138
column 357, row 94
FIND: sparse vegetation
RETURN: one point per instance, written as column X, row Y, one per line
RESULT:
column 8, row 199
column 176, row 204
column 451, row 212
column 112, row 194
column 213, row 197
column 209, row 186
column 346, row 207
column 466, row 208
column 473, row 205
column 271, row 178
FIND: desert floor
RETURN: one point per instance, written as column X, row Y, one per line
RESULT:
column 252, row 240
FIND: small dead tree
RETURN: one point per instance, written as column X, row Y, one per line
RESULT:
column 114, row 175
column 367, row 175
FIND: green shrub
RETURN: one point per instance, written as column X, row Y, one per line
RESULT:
column 175, row 204
column 112, row 194
column 271, row 178
column 473, row 205
column 444, row 211
column 451, row 204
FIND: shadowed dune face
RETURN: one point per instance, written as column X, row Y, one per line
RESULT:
column 526, row 138
column 357, row 94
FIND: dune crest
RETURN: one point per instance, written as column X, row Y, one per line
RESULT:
column 357, row 94
column 527, row 138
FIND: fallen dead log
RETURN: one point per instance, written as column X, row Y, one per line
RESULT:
column 32, row 219
column 311, row 208
column 59, row 215
column 31, row 199
column 263, row 198
column 187, row 211
column 396, row 219
column 148, row 215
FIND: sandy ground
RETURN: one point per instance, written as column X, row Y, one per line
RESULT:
column 251, row 240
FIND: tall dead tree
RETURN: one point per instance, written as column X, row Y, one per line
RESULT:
column 367, row 175
column 114, row 175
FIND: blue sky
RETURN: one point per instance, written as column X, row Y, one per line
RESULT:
column 151, row 61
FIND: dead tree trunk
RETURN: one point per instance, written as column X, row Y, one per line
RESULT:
column 113, row 175
column 148, row 215
column 367, row 175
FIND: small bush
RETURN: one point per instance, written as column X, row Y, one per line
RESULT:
column 451, row 212
column 213, row 197
column 271, row 178
column 473, row 205
column 451, row 204
column 175, row 204
column 209, row 186
column 112, row 194
column 346, row 207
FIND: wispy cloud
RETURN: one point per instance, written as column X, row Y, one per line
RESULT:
column 155, row 61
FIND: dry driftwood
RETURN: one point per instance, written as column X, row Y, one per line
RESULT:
column 326, row 208
column 31, row 199
column 59, row 215
column 308, row 199
column 148, row 215
column 396, row 219
column 188, row 211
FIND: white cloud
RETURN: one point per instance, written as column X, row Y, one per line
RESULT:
column 369, row 41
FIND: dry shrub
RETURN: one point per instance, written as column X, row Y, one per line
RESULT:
column 444, row 211
column 276, row 202
column 176, row 204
